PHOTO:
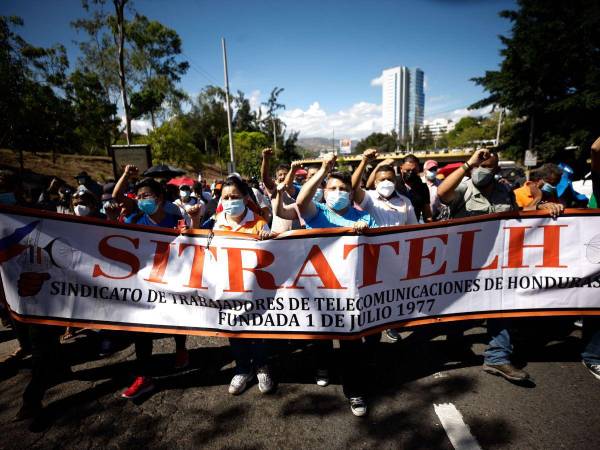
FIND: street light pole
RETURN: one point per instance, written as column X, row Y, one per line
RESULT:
column 229, row 129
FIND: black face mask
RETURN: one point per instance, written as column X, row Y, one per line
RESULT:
column 409, row 176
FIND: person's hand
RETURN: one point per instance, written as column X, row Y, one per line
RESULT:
column 329, row 161
column 30, row 283
column 478, row 157
column 555, row 209
column 267, row 153
column 264, row 234
column 112, row 211
column 280, row 187
column 295, row 165
column 360, row 226
column 370, row 154
column 387, row 162
column 131, row 170
column 193, row 210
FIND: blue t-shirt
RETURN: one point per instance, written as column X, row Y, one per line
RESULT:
column 325, row 218
column 169, row 221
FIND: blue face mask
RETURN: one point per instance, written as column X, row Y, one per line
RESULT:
column 337, row 200
column 148, row 205
column 549, row 189
column 234, row 207
column 8, row 198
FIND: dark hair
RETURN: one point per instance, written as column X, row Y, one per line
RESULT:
column 411, row 159
column 282, row 167
column 385, row 168
column 197, row 188
column 535, row 175
column 185, row 187
column 344, row 177
column 549, row 169
column 239, row 184
column 150, row 183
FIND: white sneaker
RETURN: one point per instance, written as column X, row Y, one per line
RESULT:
column 593, row 368
column 239, row 382
column 322, row 377
column 265, row 382
column 358, row 406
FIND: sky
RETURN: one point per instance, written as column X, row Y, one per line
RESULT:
column 327, row 55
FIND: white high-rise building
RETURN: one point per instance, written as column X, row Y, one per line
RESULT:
column 437, row 127
column 403, row 100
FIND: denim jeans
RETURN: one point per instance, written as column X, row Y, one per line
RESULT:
column 499, row 348
column 591, row 340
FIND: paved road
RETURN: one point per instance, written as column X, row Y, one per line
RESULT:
column 192, row 408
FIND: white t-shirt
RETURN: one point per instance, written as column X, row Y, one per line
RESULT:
column 397, row 210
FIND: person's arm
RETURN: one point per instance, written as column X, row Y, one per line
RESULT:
column 288, row 182
column 447, row 188
column 267, row 153
column 304, row 200
column 287, row 212
column 371, row 181
column 368, row 155
column 122, row 182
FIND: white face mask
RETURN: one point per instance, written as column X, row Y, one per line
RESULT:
column 81, row 210
column 385, row 188
column 184, row 194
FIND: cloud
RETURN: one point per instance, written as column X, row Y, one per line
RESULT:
column 458, row 114
column 138, row 126
column 377, row 81
column 358, row 121
column 254, row 99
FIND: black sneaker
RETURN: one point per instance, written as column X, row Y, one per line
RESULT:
column 593, row 368
column 358, row 406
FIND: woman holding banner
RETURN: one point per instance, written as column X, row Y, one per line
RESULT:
column 239, row 215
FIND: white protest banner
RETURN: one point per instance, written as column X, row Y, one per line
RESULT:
column 66, row 270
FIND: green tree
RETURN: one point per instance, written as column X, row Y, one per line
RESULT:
column 384, row 142
column 174, row 143
column 271, row 125
column 207, row 120
column 136, row 59
column 34, row 113
column 96, row 125
column 550, row 76
column 245, row 118
column 248, row 150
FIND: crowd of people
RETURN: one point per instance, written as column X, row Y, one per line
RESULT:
column 375, row 194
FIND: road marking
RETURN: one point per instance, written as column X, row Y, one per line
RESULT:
column 457, row 430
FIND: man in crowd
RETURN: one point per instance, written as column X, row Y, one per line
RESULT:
column 410, row 185
column 483, row 194
column 337, row 211
column 439, row 211
column 283, row 174
column 540, row 188
column 150, row 200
